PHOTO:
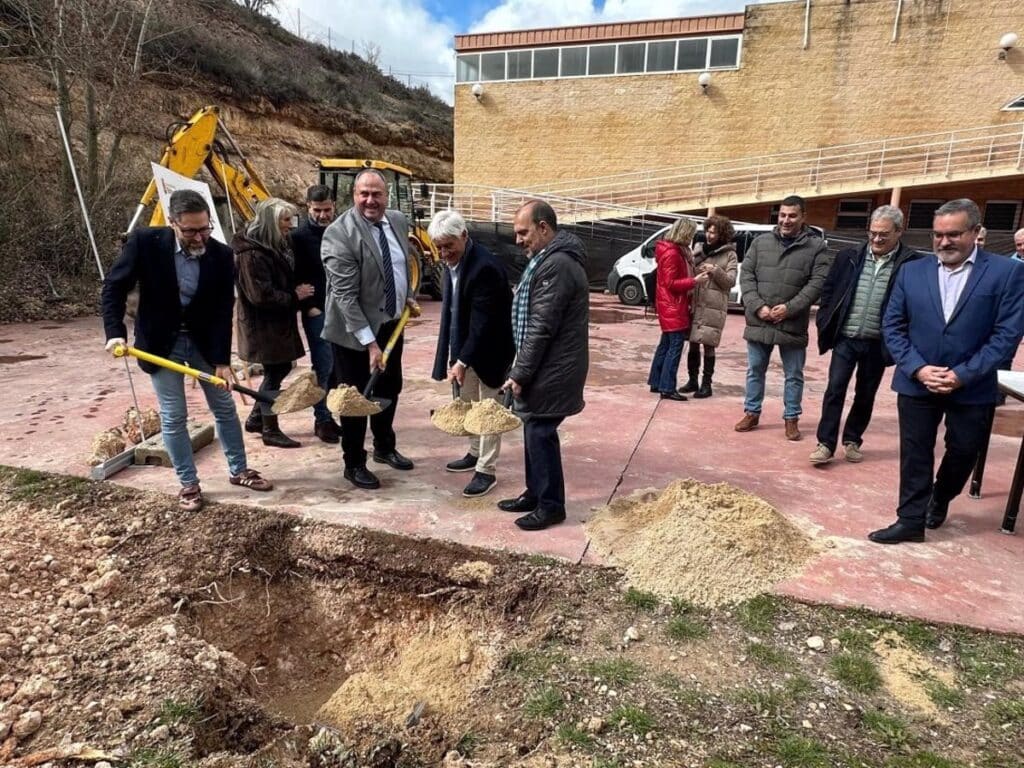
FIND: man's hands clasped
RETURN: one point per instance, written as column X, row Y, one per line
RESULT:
column 938, row 379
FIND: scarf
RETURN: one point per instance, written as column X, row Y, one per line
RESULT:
column 521, row 299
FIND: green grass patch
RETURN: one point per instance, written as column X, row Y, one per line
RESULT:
column 640, row 600
column 889, row 730
column 633, row 718
column 856, row 640
column 987, row 660
column 1005, row 711
column 919, row 635
column 173, row 712
column 574, row 737
column 683, row 628
column 155, row 758
column 467, row 744
column 532, row 662
column 942, row 695
column 543, row 704
column 798, row 752
column 757, row 615
column 617, row 671
column 767, row 656
column 768, row 703
column 796, row 687
column 856, row 671
column 681, row 606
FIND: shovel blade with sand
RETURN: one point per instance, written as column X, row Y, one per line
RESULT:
column 489, row 417
column 292, row 398
column 451, row 417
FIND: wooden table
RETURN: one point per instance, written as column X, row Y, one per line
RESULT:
column 1011, row 384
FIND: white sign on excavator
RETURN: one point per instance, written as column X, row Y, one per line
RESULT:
column 167, row 181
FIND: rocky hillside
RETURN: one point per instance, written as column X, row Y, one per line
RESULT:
column 124, row 70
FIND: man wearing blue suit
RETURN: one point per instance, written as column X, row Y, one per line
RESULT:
column 950, row 321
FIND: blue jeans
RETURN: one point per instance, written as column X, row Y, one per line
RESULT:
column 665, row 364
column 322, row 358
column 792, row 367
column 170, row 392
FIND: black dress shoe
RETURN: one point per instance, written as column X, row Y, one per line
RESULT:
column 361, row 477
column 673, row 396
column 538, row 520
column 935, row 514
column 897, row 533
column 521, row 503
column 465, row 464
column 327, row 431
column 393, row 459
column 480, row 485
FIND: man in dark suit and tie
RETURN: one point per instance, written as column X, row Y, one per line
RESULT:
column 186, row 287
column 474, row 345
column 365, row 252
column 950, row 321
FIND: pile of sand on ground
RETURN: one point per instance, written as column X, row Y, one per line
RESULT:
column 130, row 425
column 302, row 393
column 472, row 572
column 905, row 673
column 349, row 401
column 489, row 417
column 451, row 418
column 708, row 544
column 439, row 667
column 106, row 445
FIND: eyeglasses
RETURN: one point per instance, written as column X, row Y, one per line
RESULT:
column 880, row 235
column 190, row 232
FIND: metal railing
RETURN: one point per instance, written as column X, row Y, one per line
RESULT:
column 932, row 157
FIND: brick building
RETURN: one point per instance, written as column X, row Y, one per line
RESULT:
column 610, row 109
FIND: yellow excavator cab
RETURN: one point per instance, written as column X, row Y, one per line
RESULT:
column 339, row 175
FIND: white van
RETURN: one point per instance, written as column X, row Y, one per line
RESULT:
column 632, row 275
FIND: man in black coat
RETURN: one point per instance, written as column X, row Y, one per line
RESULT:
column 474, row 345
column 849, row 321
column 309, row 270
column 550, row 326
column 186, row 285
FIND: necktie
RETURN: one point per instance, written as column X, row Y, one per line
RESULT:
column 390, row 301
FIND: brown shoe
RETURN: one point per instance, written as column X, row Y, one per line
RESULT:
column 748, row 422
column 190, row 498
column 792, row 430
column 250, row 478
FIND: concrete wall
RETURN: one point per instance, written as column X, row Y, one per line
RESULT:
column 850, row 85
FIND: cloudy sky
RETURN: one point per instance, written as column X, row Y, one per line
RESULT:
column 415, row 36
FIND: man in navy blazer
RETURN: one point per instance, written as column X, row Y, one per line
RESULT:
column 950, row 322
column 474, row 345
column 186, row 285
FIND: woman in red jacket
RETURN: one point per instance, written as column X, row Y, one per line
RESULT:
column 672, row 303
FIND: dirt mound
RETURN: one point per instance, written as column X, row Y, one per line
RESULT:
column 349, row 401
column 489, row 417
column 451, row 417
column 708, row 544
column 437, row 669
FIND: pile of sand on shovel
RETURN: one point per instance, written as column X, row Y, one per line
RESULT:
column 708, row 544
column 349, row 401
column 489, row 417
column 451, row 418
column 300, row 394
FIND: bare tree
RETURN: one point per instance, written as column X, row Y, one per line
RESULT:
column 371, row 53
column 258, row 6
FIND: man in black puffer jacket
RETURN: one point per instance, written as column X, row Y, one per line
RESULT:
column 550, row 323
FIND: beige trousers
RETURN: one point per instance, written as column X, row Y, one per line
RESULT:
column 485, row 448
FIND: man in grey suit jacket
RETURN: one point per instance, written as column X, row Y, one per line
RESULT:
column 366, row 256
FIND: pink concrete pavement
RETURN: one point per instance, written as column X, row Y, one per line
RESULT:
column 966, row 573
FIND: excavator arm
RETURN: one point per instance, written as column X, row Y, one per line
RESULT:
column 195, row 145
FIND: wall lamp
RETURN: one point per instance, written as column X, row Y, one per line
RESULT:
column 1007, row 42
column 478, row 91
column 704, row 81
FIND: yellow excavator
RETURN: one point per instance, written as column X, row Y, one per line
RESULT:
column 196, row 144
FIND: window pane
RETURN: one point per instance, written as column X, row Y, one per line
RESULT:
column 467, row 68
column 574, row 61
column 661, row 56
column 1001, row 216
column 520, row 65
column 492, row 66
column 545, row 63
column 725, row 53
column 693, row 54
column 1016, row 104
column 602, row 60
column 631, row 58
column 922, row 212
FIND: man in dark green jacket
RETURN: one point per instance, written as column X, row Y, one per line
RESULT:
column 782, row 276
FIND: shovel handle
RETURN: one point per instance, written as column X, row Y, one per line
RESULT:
column 121, row 350
column 507, row 399
column 395, row 335
column 456, row 390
